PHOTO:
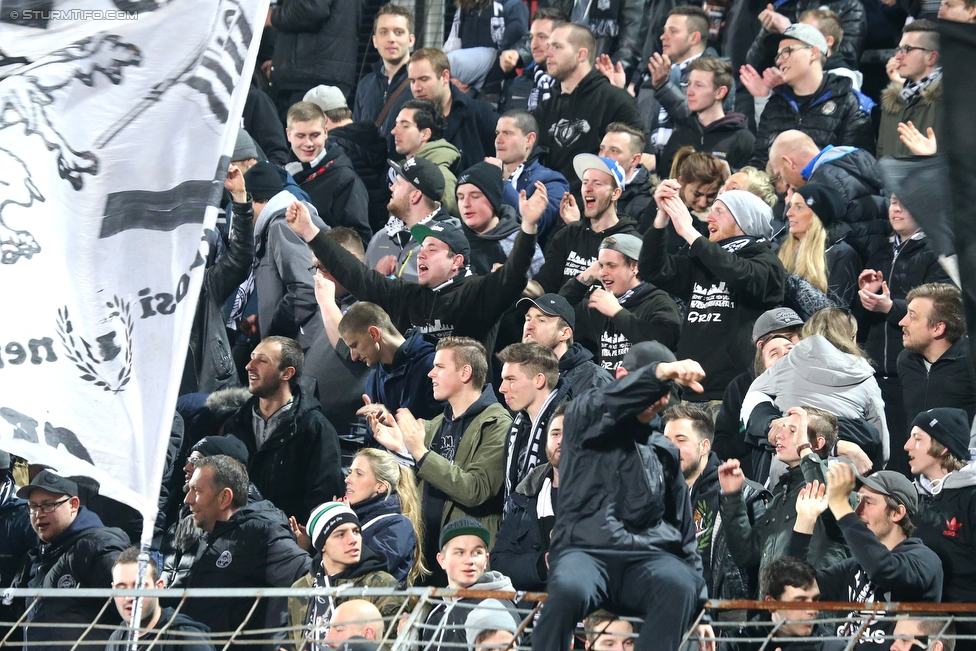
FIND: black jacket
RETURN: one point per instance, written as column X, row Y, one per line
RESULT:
column 728, row 137
column 81, row 557
column 834, row 115
column 573, row 249
column 905, row 265
column 521, row 544
column 729, row 441
column 649, row 314
column 576, row 123
column 950, row 381
column 255, row 548
column 945, row 524
column 525, row 447
column 315, row 43
column 335, row 190
column 366, row 149
column 580, row 372
column 621, row 486
column 909, row 572
column 374, row 90
column 637, row 199
column 471, row 128
column 298, row 467
column 853, row 20
column 16, row 536
column 466, row 307
column 261, row 121
column 179, row 629
column 726, row 292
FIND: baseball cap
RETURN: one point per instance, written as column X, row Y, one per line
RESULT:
column 800, row 32
column 326, row 98
column 49, row 481
column 583, row 162
column 464, row 527
column 444, row 232
column 553, row 305
column 646, row 353
column 423, row 175
column 778, row 318
column 895, row 485
column 628, row 245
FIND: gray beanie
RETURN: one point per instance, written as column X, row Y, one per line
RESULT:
column 489, row 615
column 244, row 148
column 752, row 214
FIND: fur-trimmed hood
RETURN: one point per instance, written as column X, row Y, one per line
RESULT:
column 892, row 103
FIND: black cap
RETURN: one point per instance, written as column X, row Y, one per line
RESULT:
column 444, row 232
column 51, row 482
column 423, row 175
column 230, row 446
column 645, row 353
column 263, row 181
column 487, row 178
column 464, row 527
column 553, row 305
column 949, row 426
column 895, row 485
column 825, row 201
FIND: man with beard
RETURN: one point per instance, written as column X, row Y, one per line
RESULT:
column 574, row 249
column 294, row 451
column 583, row 103
column 533, row 85
column 935, row 368
column 416, row 199
column 522, row 543
column 162, row 625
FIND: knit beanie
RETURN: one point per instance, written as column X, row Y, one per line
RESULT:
column 244, row 147
column 325, row 519
column 263, row 181
column 487, row 178
column 949, row 426
column 751, row 213
column 230, row 446
column 824, row 201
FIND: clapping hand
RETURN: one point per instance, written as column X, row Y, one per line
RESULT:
column 568, row 210
column 917, row 143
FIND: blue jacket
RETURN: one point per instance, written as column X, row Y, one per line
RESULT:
column 392, row 536
column 404, row 383
column 556, row 185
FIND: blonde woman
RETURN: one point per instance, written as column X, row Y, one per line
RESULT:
column 815, row 249
column 385, row 498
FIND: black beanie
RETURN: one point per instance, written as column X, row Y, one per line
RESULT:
column 262, row 181
column 825, row 201
column 487, row 178
column 949, row 426
column 230, row 446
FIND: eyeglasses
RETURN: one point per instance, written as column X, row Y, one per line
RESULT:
column 785, row 53
column 905, row 50
column 48, row 507
column 314, row 269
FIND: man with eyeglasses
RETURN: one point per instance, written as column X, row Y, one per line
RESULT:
column 826, row 107
column 915, row 91
column 76, row 551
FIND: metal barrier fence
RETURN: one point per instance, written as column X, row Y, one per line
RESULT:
column 733, row 622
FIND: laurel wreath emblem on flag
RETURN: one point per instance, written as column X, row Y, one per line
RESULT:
column 101, row 372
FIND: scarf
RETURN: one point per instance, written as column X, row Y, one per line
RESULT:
column 541, row 88
column 307, row 171
column 913, row 88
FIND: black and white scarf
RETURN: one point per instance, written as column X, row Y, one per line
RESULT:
column 734, row 244
column 913, row 88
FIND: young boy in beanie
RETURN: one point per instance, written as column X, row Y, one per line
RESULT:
column 340, row 558
column 464, row 556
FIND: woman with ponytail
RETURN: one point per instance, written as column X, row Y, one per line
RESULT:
column 384, row 496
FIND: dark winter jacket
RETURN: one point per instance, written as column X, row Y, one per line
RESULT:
column 404, row 383
column 16, row 535
column 728, row 138
column 471, row 128
column 905, row 265
column 315, row 43
column 374, row 90
column 574, row 249
column 386, row 530
column 402, row 246
column 81, row 557
column 725, row 293
column 335, row 190
column 180, row 630
column 649, row 314
column 494, row 246
column 853, row 21
column 944, row 522
column 255, row 548
column 948, row 383
column 852, row 173
column 843, row 268
column 366, row 149
column 637, row 200
column 576, row 123
column 578, row 370
column 729, row 441
column 209, row 364
column 528, row 89
column 909, row 572
column 755, row 546
column 521, row 544
column 298, row 467
column 261, row 121
column 499, row 25
column 556, row 186
column 834, row 115
column 924, row 110
column 621, row 486
column 465, row 306
column 525, row 447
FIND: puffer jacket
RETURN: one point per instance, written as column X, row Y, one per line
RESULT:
column 853, row 20
column 837, row 115
column 315, row 43
column 924, row 110
column 386, row 530
column 578, row 370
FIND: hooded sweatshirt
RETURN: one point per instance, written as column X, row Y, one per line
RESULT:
column 447, row 157
column 818, row 374
column 454, row 622
column 574, row 249
column 492, row 247
column 728, row 137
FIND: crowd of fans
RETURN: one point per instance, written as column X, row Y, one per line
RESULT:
column 610, row 300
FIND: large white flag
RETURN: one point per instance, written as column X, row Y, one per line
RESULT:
column 112, row 128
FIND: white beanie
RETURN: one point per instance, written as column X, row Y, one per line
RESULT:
column 324, row 520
